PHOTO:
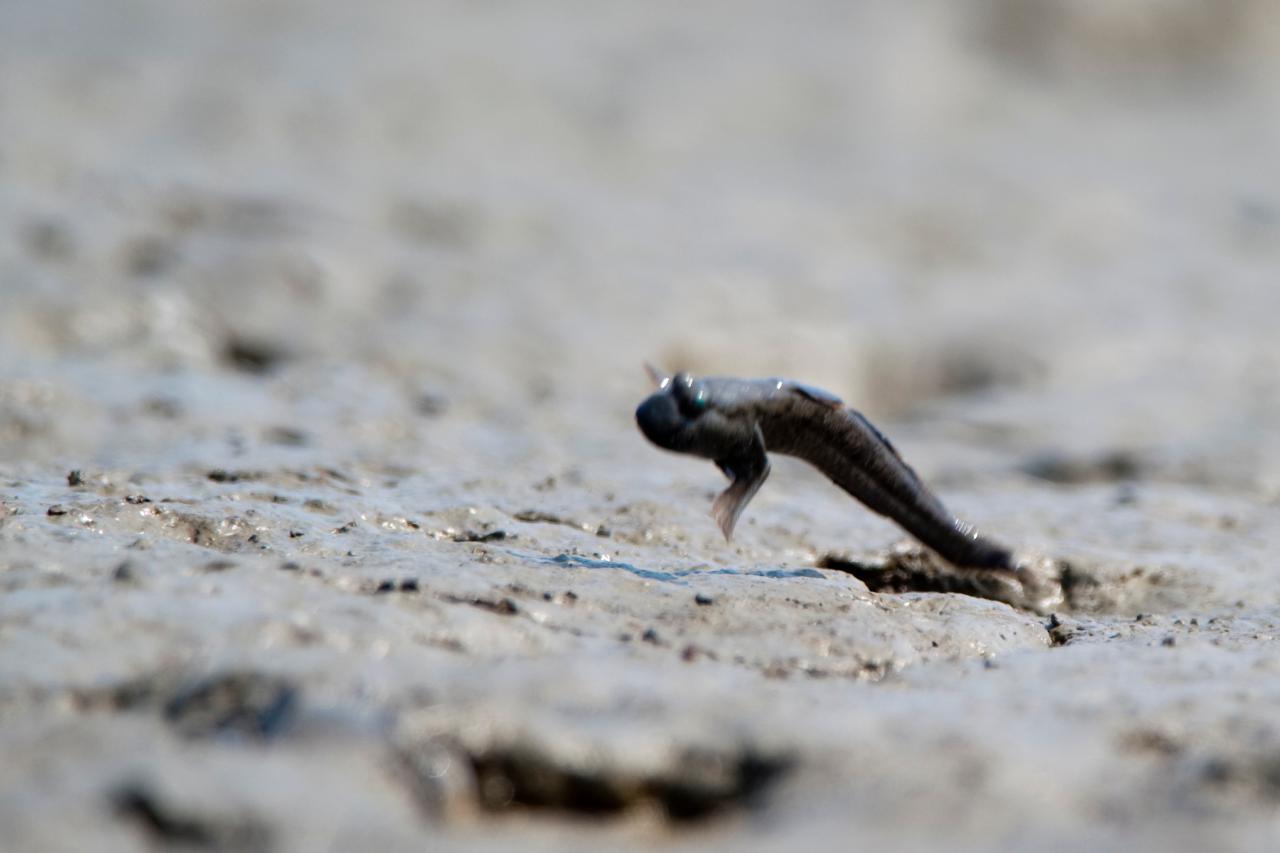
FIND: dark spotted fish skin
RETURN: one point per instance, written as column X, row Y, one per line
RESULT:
column 737, row 422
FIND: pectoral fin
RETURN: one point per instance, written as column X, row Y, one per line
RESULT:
column 748, row 473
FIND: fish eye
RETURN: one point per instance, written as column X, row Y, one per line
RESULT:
column 690, row 395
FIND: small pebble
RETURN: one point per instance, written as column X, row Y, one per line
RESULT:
column 703, row 600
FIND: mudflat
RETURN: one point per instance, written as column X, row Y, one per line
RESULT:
column 325, row 523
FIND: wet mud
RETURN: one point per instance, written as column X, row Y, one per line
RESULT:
column 325, row 522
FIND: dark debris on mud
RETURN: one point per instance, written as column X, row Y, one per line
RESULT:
column 501, row 606
column 168, row 824
column 252, row 356
column 248, row 705
column 697, row 784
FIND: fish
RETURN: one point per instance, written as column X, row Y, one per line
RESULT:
column 737, row 423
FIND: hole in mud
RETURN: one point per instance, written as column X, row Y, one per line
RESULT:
column 1036, row 586
column 917, row 571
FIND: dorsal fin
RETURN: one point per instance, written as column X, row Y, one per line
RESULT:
column 817, row 395
column 862, row 419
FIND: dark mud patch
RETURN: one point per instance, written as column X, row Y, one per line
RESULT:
column 695, row 785
column 497, row 535
column 244, row 705
column 249, row 705
column 168, row 824
column 699, row 786
column 1146, row 740
column 1131, row 590
column 228, row 534
column 409, row 585
column 253, row 356
column 225, row 475
column 1060, row 633
column 1084, row 591
column 149, row 256
column 1256, row 776
column 917, row 570
column 1065, row 469
column 48, row 239
column 500, row 606
column 1240, row 771
column 286, row 436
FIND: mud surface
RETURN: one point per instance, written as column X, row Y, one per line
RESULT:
column 324, row 523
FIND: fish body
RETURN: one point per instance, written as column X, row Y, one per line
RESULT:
column 736, row 423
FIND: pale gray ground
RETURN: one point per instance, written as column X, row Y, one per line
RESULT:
column 338, row 311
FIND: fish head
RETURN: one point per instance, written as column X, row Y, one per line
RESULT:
column 681, row 416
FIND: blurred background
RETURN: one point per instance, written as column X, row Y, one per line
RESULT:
column 1032, row 226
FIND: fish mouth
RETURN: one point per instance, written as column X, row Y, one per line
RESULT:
column 660, row 420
